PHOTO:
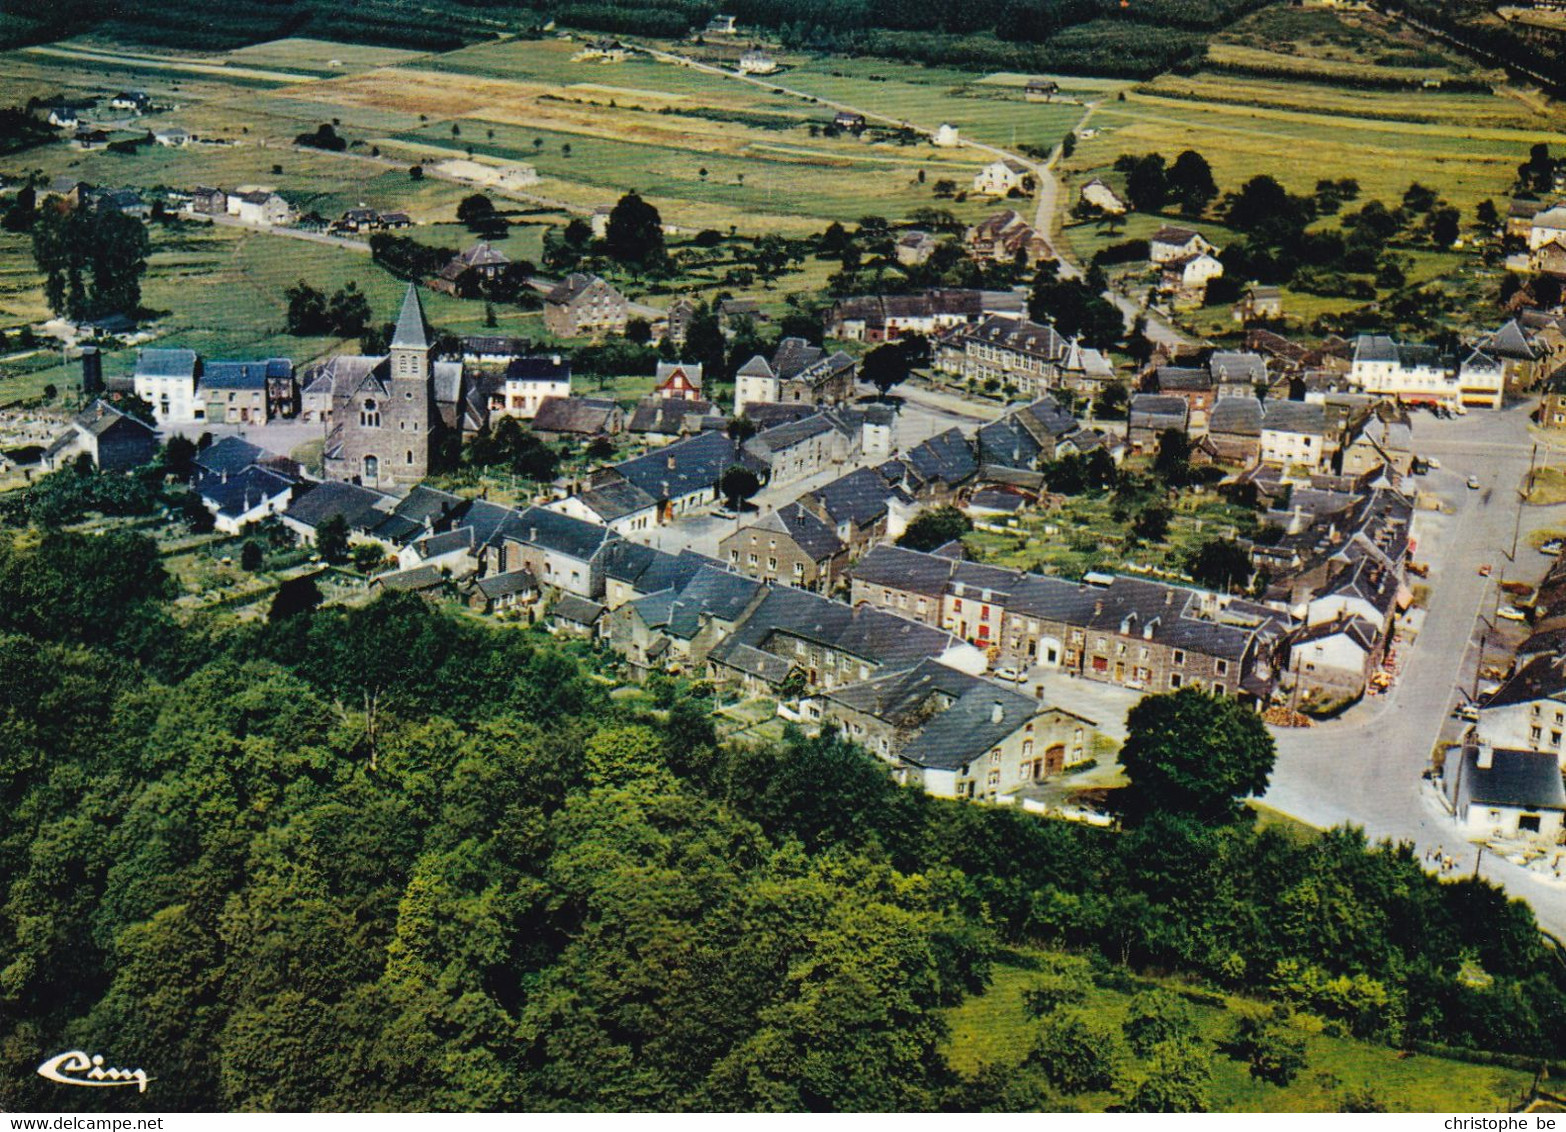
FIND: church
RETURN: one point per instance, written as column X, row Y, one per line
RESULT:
column 392, row 416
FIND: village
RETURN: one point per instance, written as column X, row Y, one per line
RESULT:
column 975, row 576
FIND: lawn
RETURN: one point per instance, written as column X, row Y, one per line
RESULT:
column 992, row 1028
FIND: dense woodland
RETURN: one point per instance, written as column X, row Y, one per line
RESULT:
column 387, row 857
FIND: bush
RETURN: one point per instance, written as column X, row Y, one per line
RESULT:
column 1077, row 1054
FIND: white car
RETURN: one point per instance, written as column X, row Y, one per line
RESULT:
column 1511, row 613
column 1009, row 673
column 1473, row 483
column 1433, row 463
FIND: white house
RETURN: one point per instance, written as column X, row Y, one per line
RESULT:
column 1000, row 178
column 622, row 507
column 1548, row 227
column 1499, row 793
column 245, row 497
column 756, row 62
column 755, row 382
column 1412, row 374
column 172, row 136
column 1171, row 243
column 1481, row 381
column 1102, row 196
column 261, row 208
column 529, row 382
column 1294, row 433
column 166, row 380
column 1528, row 711
column 946, row 135
column 1193, row 272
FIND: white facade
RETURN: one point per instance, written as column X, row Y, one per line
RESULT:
column 1481, row 382
column 634, row 522
column 999, row 178
column 947, row 135
column 750, row 389
column 1199, row 270
column 523, row 397
column 1286, row 448
column 1101, row 196
column 173, row 399
column 1537, row 725
column 1548, row 227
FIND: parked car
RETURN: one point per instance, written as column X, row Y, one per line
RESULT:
column 1419, row 569
column 1434, row 464
column 1484, row 571
column 1473, row 483
column 1009, row 673
column 1469, row 712
column 1511, row 613
column 1553, row 547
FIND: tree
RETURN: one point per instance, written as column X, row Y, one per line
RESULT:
column 1191, row 183
column 1112, row 402
column 638, row 330
column 1486, row 216
column 1194, row 753
column 1068, row 145
column 1445, row 224
column 478, row 213
column 1077, row 1053
column 738, row 484
column 1173, row 462
column 635, row 232
column 348, row 312
column 935, row 527
column 179, row 455
column 1178, row 1079
column 294, row 597
column 1269, row 1048
column 92, row 261
column 885, row 366
column 1157, row 1016
column 331, row 540
column 1221, row 564
column 1147, row 183
column 1152, row 523
column 307, row 313
column 251, row 556
column 367, row 556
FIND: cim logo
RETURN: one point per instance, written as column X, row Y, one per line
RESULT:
column 76, row 1068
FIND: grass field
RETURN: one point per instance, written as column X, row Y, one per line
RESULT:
column 1301, row 121
column 992, row 1029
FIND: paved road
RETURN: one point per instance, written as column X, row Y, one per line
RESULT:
column 1365, row 769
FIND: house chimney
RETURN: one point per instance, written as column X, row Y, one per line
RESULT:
column 1486, row 756
column 997, row 712
column 1098, row 609
column 554, row 359
column 532, row 534
column 669, row 462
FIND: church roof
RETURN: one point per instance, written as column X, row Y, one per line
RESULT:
column 410, row 333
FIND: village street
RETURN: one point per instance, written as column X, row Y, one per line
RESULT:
column 1365, row 768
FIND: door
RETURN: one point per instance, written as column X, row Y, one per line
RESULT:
column 1055, row 759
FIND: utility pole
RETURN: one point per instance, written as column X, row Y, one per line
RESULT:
column 1477, row 859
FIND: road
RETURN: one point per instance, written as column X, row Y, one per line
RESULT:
column 1365, row 768
column 291, row 233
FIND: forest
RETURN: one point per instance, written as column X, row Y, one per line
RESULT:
column 389, row 857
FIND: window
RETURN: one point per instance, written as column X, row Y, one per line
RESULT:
column 751, row 559
column 1534, row 733
column 372, row 468
column 772, row 563
column 1174, row 679
column 410, row 456
column 370, row 415
column 1218, row 689
column 957, row 605
column 995, row 757
column 733, row 556
column 1221, row 667
column 1179, row 656
column 799, row 568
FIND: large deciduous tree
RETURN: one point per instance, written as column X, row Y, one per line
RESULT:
column 1194, row 753
column 635, row 232
column 92, row 261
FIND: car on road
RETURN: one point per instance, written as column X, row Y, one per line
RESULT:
column 1484, row 571
column 1553, row 547
column 1432, row 463
column 1469, row 712
column 1511, row 613
column 1014, row 675
column 1473, row 483
column 725, row 513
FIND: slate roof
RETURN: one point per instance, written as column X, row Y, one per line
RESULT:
column 584, row 416
column 231, row 454
column 793, row 356
column 860, row 497
column 99, row 417
column 809, row 533
column 1152, row 410
column 670, row 416
column 1356, row 629
column 1182, row 379
column 361, row 507
column 552, row 369
column 946, row 456
column 711, row 593
column 431, row 507
column 616, row 499
column 244, row 375
column 1510, row 342
column 1542, row 678
column 243, row 490
column 569, row 607
column 1235, row 416
column 991, row 499
column 410, row 332
column 964, row 732
column 511, row 582
column 559, row 533
column 1529, row 780
column 1294, row 417
column 165, row 363
column 572, row 287
column 1246, row 368
column 446, row 542
column 895, row 567
column 1171, row 234
column 770, row 414
column 698, row 463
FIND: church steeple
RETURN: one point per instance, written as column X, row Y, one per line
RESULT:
column 410, row 344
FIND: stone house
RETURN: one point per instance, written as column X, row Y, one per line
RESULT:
column 1499, row 793
column 166, row 380
column 622, row 507
column 1103, row 197
column 1333, row 660
column 801, row 449
column 1234, row 427
column 114, row 441
column 1006, row 235
column 561, row 552
column 1004, row 177
column 584, row 306
column 559, row 418
column 1295, row 434
column 954, row 734
column 1150, row 416
column 790, row 546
